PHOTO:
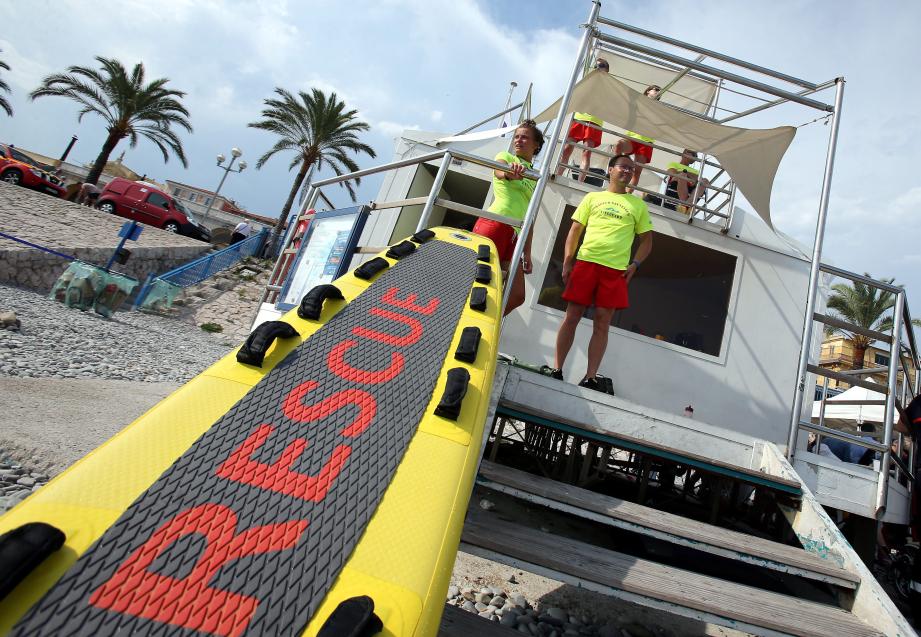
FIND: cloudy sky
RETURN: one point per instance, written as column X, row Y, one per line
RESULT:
column 443, row 65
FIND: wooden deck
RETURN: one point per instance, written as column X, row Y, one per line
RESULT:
column 673, row 528
column 731, row 603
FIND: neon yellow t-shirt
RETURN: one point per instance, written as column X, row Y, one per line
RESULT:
column 611, row 221
column 511, row 196
column 642, row 138
column 585, row 117
column 679, row 167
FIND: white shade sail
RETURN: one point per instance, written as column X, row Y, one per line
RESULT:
column 750, row 156
column 848, row 415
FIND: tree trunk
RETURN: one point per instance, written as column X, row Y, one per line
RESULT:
column 107, row 148
column 278, row 230
column 859, row 354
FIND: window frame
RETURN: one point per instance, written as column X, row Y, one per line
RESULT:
column 663, row 225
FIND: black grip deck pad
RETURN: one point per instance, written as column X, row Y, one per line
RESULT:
column 245, row 533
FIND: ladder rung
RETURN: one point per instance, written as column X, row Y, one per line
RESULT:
column 850, row 380
column 850, row 327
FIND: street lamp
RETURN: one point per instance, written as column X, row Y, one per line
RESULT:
column 234, row 153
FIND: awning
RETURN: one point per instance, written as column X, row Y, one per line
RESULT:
column 848, row 415
column 750, row 156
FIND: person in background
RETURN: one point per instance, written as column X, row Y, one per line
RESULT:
column 511, row 194
column 684, row 181
column 241, row 231
column 88, row 194
column 638, row 145
column 602, row 269
column 585, row 128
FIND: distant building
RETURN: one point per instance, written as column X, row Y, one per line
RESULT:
column 838, row 354
column 224, row 212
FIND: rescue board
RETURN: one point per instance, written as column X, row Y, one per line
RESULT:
column 263, row 494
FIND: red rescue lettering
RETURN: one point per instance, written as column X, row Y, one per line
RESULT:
column 337, row 365
column 189, row 602
column 409, row 303
column 415, row 329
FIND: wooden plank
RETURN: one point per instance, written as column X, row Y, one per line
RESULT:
column 729, row 600
column 460, row 623
column 670, row 527
column 558, row 421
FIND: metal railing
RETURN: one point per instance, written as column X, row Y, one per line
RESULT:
column 900, row 379
column 207, row 266
column 716, row 196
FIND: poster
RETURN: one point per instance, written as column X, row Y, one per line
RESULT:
column 324, row 254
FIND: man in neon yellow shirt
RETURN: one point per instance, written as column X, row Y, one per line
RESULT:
column 585, row 128
column 599, row 274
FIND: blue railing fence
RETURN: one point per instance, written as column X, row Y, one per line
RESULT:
column 207, row 266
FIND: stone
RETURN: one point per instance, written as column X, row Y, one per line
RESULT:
column 453, row 591
column 523, row 628
column 480, row 606
column 508, row 620
column 497, row 601
column 486, row 613
column 558, row 613
column 512, row 580
column 469, row 606
column 520, row 600
column 26, row 482
column 525, row 619
column 484, row 598
column 8, row 320
column 550, row 619
column 487, row 505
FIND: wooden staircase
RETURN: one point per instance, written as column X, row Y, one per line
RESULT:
column 547, row 521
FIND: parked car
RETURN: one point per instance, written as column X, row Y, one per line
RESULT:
column 21, row 170
column 144, row 202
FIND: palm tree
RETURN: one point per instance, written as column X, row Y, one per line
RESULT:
column 4, row 88
column 319, row 129
column 129, row 107
column 865, row 306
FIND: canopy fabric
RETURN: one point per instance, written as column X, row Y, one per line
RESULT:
column 751, row 157
column 848, row 415
column 690, row 92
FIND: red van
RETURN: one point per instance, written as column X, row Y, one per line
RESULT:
column 148, row 204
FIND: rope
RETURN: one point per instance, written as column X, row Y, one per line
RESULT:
column 38, row 247
column 818, row 119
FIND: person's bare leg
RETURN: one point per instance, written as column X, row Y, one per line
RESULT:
column 586, row 162
column 564, row 156
column 567, row 333
column 599, row 341
column 639, row 162
column 516, row 297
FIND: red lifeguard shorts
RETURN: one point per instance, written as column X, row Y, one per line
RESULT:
column 641, row 150
column 580, row 131
column 596, row 284
column 501, row 234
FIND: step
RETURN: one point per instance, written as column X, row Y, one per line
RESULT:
column 561, row 422
column 456, row 622
column 664, row 526
column 717, row 601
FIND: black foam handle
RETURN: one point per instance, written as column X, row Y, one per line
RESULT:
column 400, row 250
column 369, row 268
column 453, row 397
column 468, row 345
column 483, row 273
column 312, row 304
column 422, row 236
column 23, row 549
column 478, row 299
column 482, row 253
column 261, row 339
column 353, row 617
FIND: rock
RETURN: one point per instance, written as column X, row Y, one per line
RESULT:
column 453, row 591
column 508, row 620
column 480, row 607
column 512, row 580
column 558, row 613
column 550, row 619
column 9, row 321
column 487, row 505
column 483, row 598
column 26, row 482
column 520, row 600
column 637, row 630
column 497, row 601
column 486, row 613
column 469, row 606
column 467, row 592
column 525, row 619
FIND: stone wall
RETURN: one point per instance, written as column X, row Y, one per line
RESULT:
column 79, row 231
column 37, row 270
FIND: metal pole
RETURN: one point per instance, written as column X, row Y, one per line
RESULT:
column 534, row 204
column 436, row 188
column 882, row 485
column 73, row 140
column 767, row 105
column 797, row 408
column 681, row 74
column 226, row 171
column 818, row 437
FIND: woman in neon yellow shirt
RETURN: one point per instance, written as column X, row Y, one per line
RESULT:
column 511, row 195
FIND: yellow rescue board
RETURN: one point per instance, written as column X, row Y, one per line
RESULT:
column 403, row 557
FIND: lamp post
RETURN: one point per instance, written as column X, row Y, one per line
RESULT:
column 234, row 153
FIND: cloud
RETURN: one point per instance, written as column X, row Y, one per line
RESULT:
column 436, row 116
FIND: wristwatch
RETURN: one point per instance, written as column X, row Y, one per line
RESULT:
column 636, row 263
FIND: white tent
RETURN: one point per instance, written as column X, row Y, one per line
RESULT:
column 846, row 416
